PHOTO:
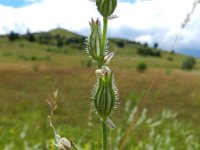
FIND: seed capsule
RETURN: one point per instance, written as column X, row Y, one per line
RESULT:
column 94, row 40
column 106, row 7
column 105, row 94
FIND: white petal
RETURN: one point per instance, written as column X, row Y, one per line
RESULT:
column 108, row 57
column 66, row 143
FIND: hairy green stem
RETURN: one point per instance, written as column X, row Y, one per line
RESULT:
column 104, row 135
column 102, row 53
column 103, row 42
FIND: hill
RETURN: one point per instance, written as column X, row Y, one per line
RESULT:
column 33, row 65
column 46, row 46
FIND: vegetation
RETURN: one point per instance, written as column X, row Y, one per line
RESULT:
column 155, row 45
column 30, row 70
column 188, row 63
column 147, row 51
column 24, row 84
column 30, row 36
column 105, row 93
column 13, row 36
column 141, row 67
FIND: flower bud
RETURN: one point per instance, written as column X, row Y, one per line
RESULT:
column 106, row 7
column 94, row 40
column 65, row 144
column 105, row 93
column 61, row 142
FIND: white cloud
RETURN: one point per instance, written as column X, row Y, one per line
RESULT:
column 144, row 39
column 73, row 15
column 152, row 20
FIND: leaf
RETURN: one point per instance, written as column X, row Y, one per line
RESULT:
column 110, row 123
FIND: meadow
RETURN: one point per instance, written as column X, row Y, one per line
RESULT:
column 31, row 71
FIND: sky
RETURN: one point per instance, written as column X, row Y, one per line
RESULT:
column 150, row 21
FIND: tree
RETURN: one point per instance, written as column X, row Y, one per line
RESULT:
column 120, row 43
column 12, row 36
column 30, row 36
column 60, row 42
column 188, row 63
column 155, row 45
column 146, row 44
column 146, row 51
column 172, row 52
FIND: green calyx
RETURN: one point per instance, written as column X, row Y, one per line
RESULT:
column 94, row 40
column 106, row 7
column 105, row 93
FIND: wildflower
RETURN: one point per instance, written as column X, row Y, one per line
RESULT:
column 94, row 40
column 61, row 142
column 105, row 93
column 106, row 7
column 103, row 71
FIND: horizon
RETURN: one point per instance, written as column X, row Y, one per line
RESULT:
column 154, row 21
column 193, row 54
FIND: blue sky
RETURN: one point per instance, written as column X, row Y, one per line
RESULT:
column 139, row 20
column 14, row 3
column 18, row 3
column 22, row 3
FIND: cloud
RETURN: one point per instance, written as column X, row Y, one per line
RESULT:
column 144, row 38
column 161, row 20
column 142, row 20
column 73, row 15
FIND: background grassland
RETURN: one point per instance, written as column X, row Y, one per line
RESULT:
column 30, row 72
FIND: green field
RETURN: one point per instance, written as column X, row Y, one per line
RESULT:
column 31, row 71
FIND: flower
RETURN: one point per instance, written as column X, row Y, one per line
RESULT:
column 61, row 142
column 94, row 40
column 105, row 93
column 106, row 7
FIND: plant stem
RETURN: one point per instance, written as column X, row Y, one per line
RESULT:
column 105, row 25
column 100, row 62
column 104, row 136
column 102, row 51
column 103, row 42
